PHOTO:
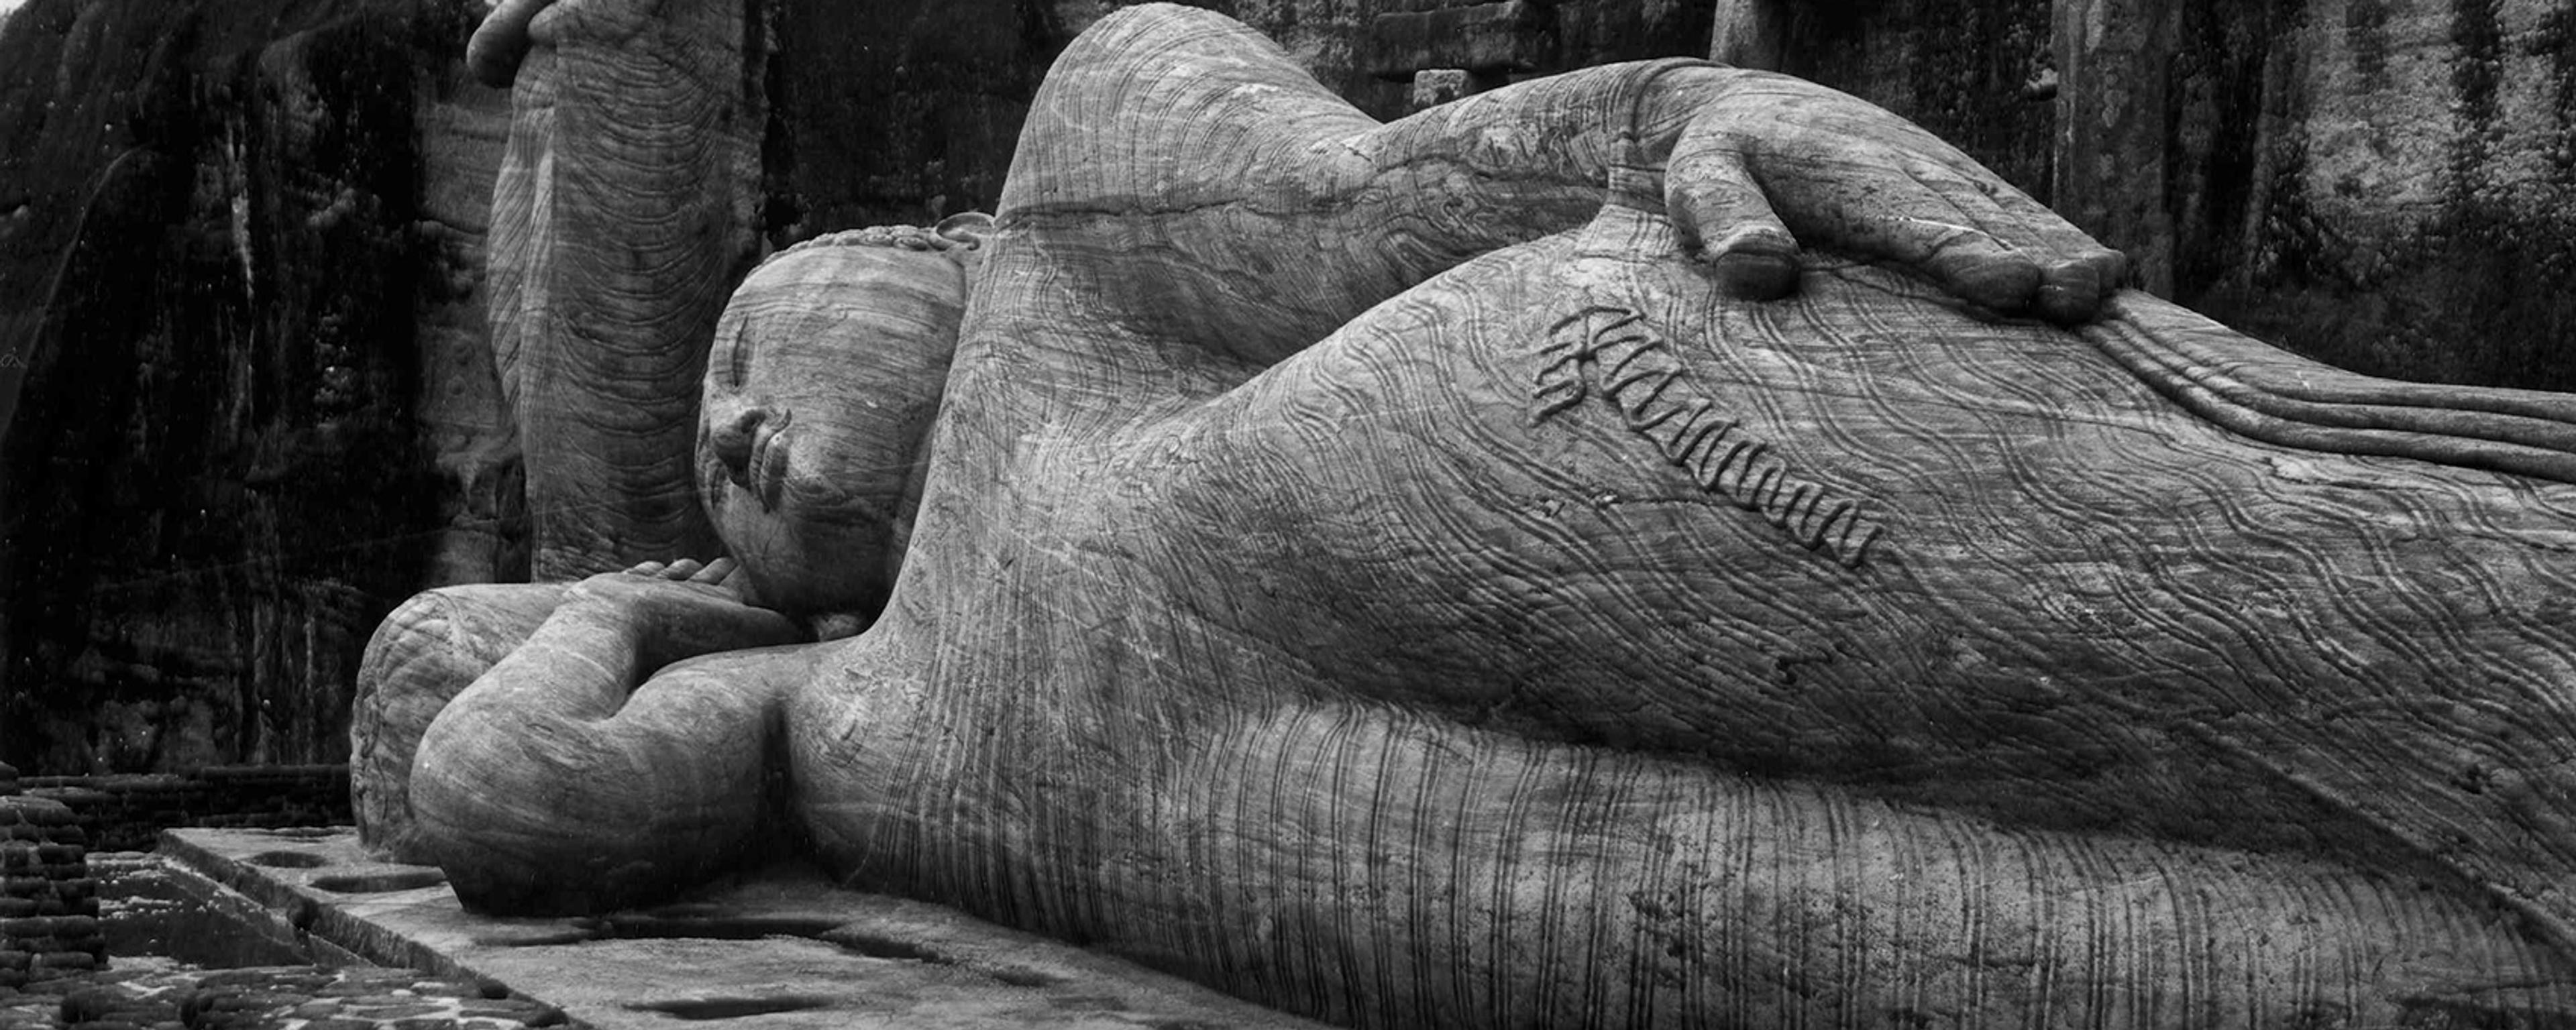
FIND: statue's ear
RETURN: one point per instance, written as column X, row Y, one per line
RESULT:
column 970, row 228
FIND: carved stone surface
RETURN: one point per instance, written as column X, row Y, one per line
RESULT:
column 826, row 370
column 1429, row 574
column 624, row 210
column 423, row 653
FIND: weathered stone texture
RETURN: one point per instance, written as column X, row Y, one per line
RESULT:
column 461, row 126
column 623, row 211
column 906, row 110
column 128, row 811
column 2409, row 212
column 2383, row 184
column 215, row 476
column 48, row 900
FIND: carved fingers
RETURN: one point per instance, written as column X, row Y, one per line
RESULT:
column 501, row 42
column 2074, row 274
column 1722, row 212
column 1774, row 156
column 684, row 608
column 715, row 573
column 688, row 570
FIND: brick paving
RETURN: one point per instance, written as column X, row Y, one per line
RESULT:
column 55, row 973
column 148, row 995
column 48, row 902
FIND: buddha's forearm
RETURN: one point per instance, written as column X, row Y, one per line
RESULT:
column 428, row 651
column 580, row 664
column 1320, row 211
column 1564, row 132
column 1505, row 167
column 554, row 784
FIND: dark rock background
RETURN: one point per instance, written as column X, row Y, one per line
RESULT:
column 212, row 282
column 2383, row 184
column 246, row 405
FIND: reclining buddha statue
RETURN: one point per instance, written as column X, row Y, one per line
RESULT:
column 1655, row 544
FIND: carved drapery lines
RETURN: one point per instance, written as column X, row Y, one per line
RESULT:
column 2332, row 411
column 1655, row 396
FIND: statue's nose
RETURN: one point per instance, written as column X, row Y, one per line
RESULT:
column 734, row 436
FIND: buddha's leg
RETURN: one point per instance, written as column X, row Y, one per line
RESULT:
column 1374, row 867
column 422, row 655
column 1380, row 869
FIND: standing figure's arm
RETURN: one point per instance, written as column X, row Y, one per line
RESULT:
column 557, row 784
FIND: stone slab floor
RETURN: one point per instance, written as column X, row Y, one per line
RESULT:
column 779, row 949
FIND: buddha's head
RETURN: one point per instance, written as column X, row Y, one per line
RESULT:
column 825, row 372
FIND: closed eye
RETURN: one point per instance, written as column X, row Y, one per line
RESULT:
column 738, row 355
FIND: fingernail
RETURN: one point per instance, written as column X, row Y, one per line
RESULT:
column 1755, row 262
column 1752, row 275
column 2065, row 306
column 2111, row 267
column 2072, row 291
column 2002, row 284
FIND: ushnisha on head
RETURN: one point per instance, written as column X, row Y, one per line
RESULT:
column 826, row 369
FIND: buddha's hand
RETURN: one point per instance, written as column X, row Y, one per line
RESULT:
column 683, row 609
column 1776, row 160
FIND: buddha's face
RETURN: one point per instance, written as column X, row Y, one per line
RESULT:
column 825, row 371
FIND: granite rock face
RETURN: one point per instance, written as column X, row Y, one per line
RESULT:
column 2406, row 206
column 2382, row 184
column 231, row 228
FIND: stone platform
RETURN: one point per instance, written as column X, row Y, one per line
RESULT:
column 778, row 949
